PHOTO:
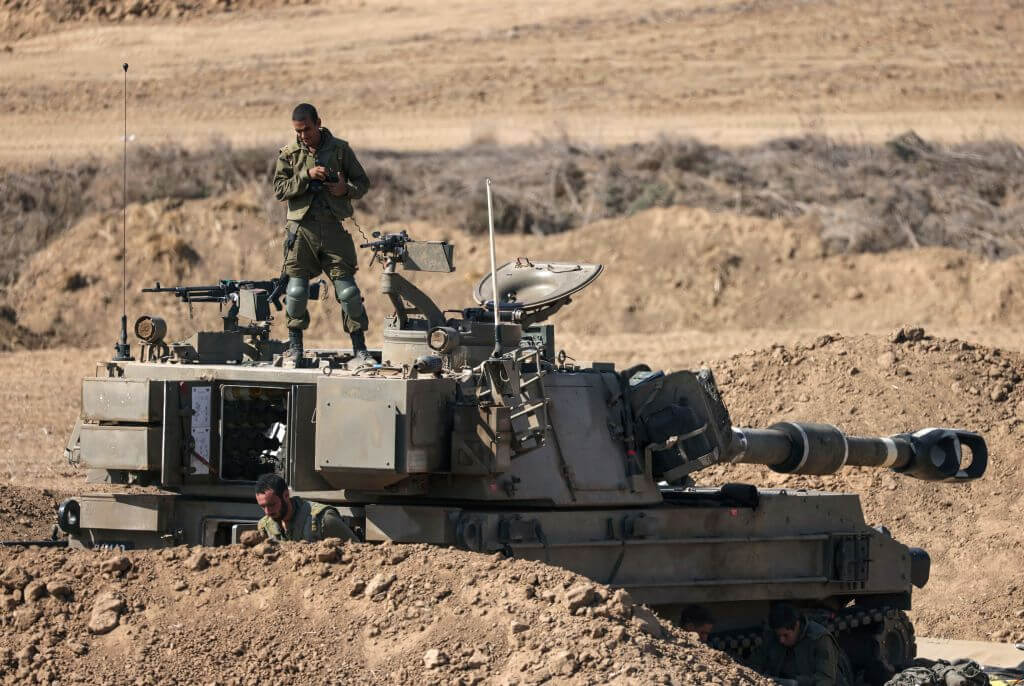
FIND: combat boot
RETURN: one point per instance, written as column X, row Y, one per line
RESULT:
column 360, row 355
column 293, row 356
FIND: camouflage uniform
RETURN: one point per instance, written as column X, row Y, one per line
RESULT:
column 813, row 661
column 321, row 243
column 310, row 521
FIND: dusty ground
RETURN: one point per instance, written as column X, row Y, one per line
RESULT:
column 750, row 295
column 356, row 614
column 433, row 74
column 905, row 192
column 27, row 513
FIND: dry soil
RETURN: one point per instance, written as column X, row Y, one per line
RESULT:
column 431, row 74
column 331, row 613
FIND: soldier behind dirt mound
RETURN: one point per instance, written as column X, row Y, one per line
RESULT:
column 799, row 652
column 291, row 518
column 697, row 619
column 319, row 176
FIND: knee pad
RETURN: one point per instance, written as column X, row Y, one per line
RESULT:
column 296, row 296
column 349, row 297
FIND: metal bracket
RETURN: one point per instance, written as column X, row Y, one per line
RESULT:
column 850, row 558
column 518, row 530
column 73, row 449
column 515, row 529
column 469, row 532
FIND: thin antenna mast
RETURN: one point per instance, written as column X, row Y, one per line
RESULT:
column 122, row 350
column 494, row 273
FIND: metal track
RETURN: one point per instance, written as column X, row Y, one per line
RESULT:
column 41, row 544
column 848, row 619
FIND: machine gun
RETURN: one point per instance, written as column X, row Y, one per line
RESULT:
column 387, row 247
column 226, row 290
column 249, row 300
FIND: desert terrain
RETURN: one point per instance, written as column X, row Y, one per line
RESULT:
column 432, row 74
column 776, row 190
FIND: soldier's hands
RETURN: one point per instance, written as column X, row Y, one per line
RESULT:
column 340, row 188
column 319, row 173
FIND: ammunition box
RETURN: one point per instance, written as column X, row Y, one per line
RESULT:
column 121, row 400
column 133, row 448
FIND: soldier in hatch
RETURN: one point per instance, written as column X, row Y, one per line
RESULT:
column 291, row 518
column 799, row 652
column 319, row 176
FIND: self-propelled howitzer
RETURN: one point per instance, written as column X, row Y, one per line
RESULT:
column 526, row 453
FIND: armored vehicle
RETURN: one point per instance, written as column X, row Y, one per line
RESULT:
column 474, row 431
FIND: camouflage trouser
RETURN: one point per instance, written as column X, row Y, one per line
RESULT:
column 322, row 245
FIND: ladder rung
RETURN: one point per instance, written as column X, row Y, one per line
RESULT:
column 529, row 409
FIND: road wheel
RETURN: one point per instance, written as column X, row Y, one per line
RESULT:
column 896, row 643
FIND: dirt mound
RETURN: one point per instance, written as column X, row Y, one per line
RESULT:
column 667, row 269
column 168, row 241
column 874, row 385
column 861, row 198
column 26, row 513
column 907, row 193
column 44, row 202
column 330, row 612
column 24, row 18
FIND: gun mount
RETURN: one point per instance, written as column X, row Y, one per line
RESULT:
column 521, row 451
column 683, row 425
column 249, row 300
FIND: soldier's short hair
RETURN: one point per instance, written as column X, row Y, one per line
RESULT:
column 695, row 615
column 783, row 616
column 304, row 111
column 271, row 482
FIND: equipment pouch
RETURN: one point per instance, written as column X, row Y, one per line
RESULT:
column 962, row 673
column 289, row 239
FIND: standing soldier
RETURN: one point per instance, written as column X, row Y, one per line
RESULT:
column 319, row 175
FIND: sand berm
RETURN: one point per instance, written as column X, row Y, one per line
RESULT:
column 331, row 613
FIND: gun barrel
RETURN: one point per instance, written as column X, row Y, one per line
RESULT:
column 387, row 242
column 183, row 289
column 799, row 448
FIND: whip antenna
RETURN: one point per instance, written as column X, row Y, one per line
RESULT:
column 122, row 350
column 494, row 273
